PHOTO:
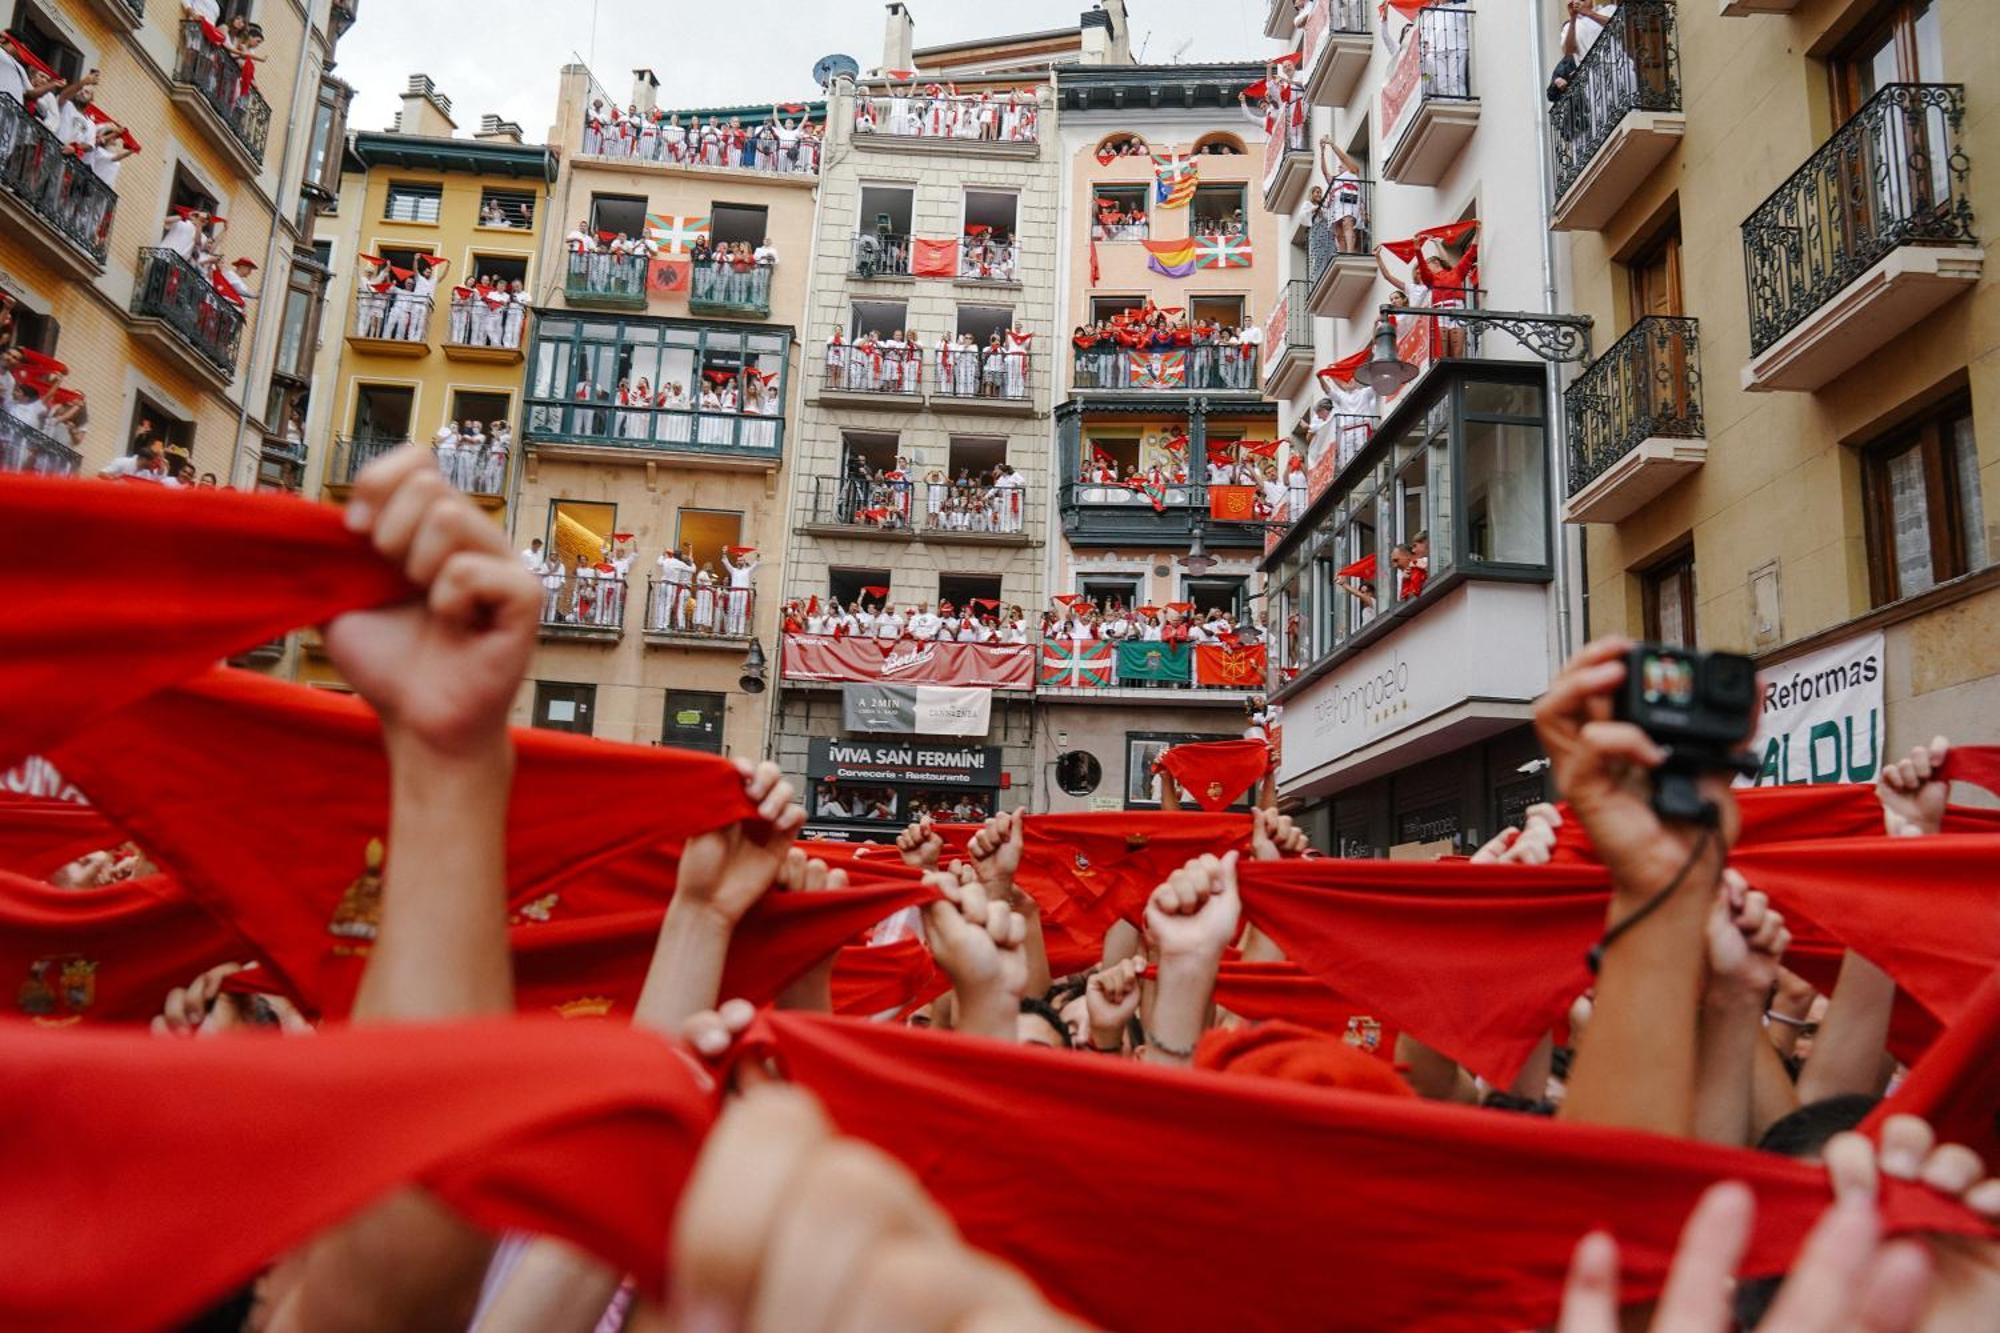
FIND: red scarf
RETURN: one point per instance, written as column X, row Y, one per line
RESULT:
column 1437, row 1217
column 1216, row 773
column 39, row 837
column 1795, row 814
column 1976, row 764
column 170, row 581
column 1956, row 1086
column 1089, row 871
column 1284, row 990
column 875, row 980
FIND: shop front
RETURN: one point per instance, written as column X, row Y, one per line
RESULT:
column 868, row 790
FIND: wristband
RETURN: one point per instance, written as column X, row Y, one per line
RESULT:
column 1772, row 1016
column 1176, row 1052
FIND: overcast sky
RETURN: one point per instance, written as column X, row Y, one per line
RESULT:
column 501, row 56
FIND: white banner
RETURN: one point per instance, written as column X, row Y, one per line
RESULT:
column 1823, row 719
column 926, row 710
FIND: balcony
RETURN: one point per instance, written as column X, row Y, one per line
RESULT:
column 971, row 126
column 1428, row 109
column 49, row 197
column 823, row 661
column 608, row 282
column 269, row 653
column 391, row 323
column 1736, row 9
column 717, row 289
column 1288, row 343
column 1288, row 167
column 1107, row 514
column 281, row 464
column 863, row 506
column 603, row 431
column 589, row 608
column 1873, row 233
column 208, row 84
column 342, row 15
column 1340, row 440
column 480, row 331
column 125, row 15
column 25, row 449
column 352, row 453
column 680, row 615
column 881, row 254
column 1335, row 50
column 1340, row 246
column 1635, row 421
column 478, row 469
column 1138, row 671
column 984, row 380
column 632, row 143
column 885, row 378
column 1281, row 20
column 1207, row 368
column 176, row 306
column 1619, row 117
column 973, row 513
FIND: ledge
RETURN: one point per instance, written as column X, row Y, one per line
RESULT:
column 984, row 407
column 398, row 347
column 858, row 532
column 581, row 633
column 1337, row 68
column 1284, row 187
column 499, row 356
column 165, row 337
column 1643, row 474
column 47, row 238
column 1287, row 371
column 946, row 537
column 880, row 402
column 582, row 451
column 1865, row 316
column 1342, row 287
column 712, row 642
column 912, row 143
column 1749, row 8
column 190, row 100
column 1638, row 143
column 1437, row 133
column 118, row 14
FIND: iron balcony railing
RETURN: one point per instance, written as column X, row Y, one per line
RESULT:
column 479, row 323
column 720, row 289
column 138, row 8
column 54, row 185
column 988, row 260
column 25, row 449
column 881, row 254
column 864, row 500
column 1345, row 434
column 218, row 77
column 983, row 372
column 477, row 467
column 351, row 453
column 606, row 279
column 1289, row 329
column 1225, row 367
column 1893, row 175
column 874, row 368
column 968, row 507
column 1647, row 386
column 1340, row 226
column 700, row 610
column 583, row 602
column 1634, row 65
column 176, row 292
column 655, row 429
column 392, row 316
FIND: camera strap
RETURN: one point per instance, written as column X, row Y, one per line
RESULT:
column 1595, row 958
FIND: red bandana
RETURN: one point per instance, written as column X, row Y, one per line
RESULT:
column 1794, row 814
column 39, row 837
column 1216, row 773
column 1284, row 990
column 1089, row 871
column 886, row 977
column 1956, row 1086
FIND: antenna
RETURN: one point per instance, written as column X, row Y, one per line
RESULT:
column 1180, row 51
column 1140, row 59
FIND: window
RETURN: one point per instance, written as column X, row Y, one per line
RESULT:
column 974, row 455
column 410, row 202
column 961, row 590
column 1218, row 594
column 404, row 256
column 707, row 532
column 1219, row 145
column 329, row 136
column 694, row 719
column 45, row 40
column 1505, row 485
column 1903, row 44
column 618, row 213
column 189, row 193
column 154, row 424
column 1653, row 274
column 993, row 209
column 733, row 223
column 872, row 450
column 1669, row 599
column 382, row 412
column 580, row 360
column 1218, row 210
column 1121, row 144
column 884, row 319
column 513, row 209
column 886, row 210
column 1926, row 517
column 580, row 531
column 562, row 706
column 499, row 268
column 1111, row 589
column 298, row 328
column 484, row 408
column 1221, row 311
column 1120, row 212
column 844, row 585
column 984, row 322
column 32, row 329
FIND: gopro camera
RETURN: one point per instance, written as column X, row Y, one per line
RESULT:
column 1699, row 707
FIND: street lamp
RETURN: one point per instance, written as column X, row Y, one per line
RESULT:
column 752, row 679
column 1386, row 372
column 1198, row 561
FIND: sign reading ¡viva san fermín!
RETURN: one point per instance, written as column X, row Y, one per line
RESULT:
column 1822, row 719
column 890, row 761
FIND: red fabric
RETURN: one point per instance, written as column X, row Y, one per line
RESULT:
column 1217, row 773
column 877, row 979
column 1088, row 871
column 1295, row 1054
column 1250, row 1205
column 104, row 955
column 39, row 837
column 1363, row 569
column 1344, row 369
column 997, row 666
column 1232, row 504
column 277, row 790
column 1976, row 764
column 223, row 571
column 584, row 1132
column 1233, row 666
column 934, row 258
column 1956, row 1086
column 1284, row 990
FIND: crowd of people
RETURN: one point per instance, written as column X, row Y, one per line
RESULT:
column 222, row 57
column 35, row 397
column 691, row 598
column 1138, row 349
column 992, row 502
column 395, row 303
column 474, row 459
column 786, row 142
column 71, row 174
column 671, row 412
column 492, row 312
column 940, row 111
column 1473, row 1077
column 873, row 616
column 1080, row 619
column 959, row 366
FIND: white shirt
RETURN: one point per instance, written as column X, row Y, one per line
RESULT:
column 179, row 237
column 531, row 560
column 924, row 625
column 889, row 625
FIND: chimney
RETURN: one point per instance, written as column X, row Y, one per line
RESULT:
column 645, row 90
column 492, row 129
column 1120, row 50
column 1094, row 32
column 426, row 111
column 899, row 42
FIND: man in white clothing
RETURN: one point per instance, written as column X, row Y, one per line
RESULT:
column 923, row 623
column 736, row 615
column 889, row 625
column 531, row 558
column 676, row 576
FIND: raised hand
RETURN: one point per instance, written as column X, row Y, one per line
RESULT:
column 1912, row 793
column 996, row 851
column 813, row 991
column 726, row 871
column 1273, row 836
column 1747, row 938
column 1195, row 913
column 1111, row 1000
column 920, row 845
column 978, row 942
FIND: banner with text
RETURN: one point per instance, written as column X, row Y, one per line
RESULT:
column 1823, row 719
column 837, row 760
column 922, row 710
column 815, row 657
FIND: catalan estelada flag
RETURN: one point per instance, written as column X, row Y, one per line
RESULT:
column 1222, row 252
column 1174, row 179
column 1173, row 259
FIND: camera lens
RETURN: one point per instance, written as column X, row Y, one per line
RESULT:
column 1732, row 681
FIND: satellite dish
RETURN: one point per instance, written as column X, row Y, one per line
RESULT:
column 829, row 68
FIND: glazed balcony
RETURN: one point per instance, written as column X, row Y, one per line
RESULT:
column 1873, row 233
column 1288, row 342
column 723, row 290
column 1110, row 514
column 53, row 200
column 1340, row 248
column 1635, row 421
column 604, row 431
column 609, row 282
column 208, row 84
column 1334, row 50
column 1428, row 111
column 177, row 307
column 1619, row 117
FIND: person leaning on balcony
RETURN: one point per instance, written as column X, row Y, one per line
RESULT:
column 148, row 464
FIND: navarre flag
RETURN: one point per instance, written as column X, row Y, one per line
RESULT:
column 1232, row 504
column 1173, row 259
column 1234, row 668
column 670, row 275
column 1155, row 663
column 1076, row 665
column 1157, row 370
column 1222, row 252
column 674, row 234
column 1174, row 179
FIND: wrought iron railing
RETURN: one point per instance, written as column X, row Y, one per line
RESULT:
column 25, row 449
column 478, row 323
column 582, row 602
column 1634, row 65
column 969, row 507
column 1341, row 225
column 1893, row 175
column 1289, row 329
column 866, row 368
column 55, row 185
column 700, row 610
column 663, row 429
column 1434, row 64
column 712, row 146
column 351, row 453
column 1648, row 385
column 988, row 260
column 881, row 254
column 1224, row 367
column 983, row 372
column 722, row 289
column 174, row 291
column 864, row 500
column 606, row 278
column 1344, row 435
column 218, row 77
column 392, row 316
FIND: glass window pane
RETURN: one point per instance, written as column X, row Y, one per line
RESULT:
column 1507, row 400
column 1971, row 507
column 1671, row 597
column 1506, row 495
column 1910, row 522
column 1930, row 45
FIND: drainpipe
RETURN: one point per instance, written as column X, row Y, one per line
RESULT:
column 271, row 247
column 1551, row 304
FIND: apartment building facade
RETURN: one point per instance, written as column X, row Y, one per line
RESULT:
column 159, row 351
column 1168, row 152
column 623, row 457
column 1774, row 213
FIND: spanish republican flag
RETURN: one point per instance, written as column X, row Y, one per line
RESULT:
column 1232, row 504
column 1173, row 259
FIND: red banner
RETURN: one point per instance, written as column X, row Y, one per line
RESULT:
column 1402, row 82
column 1232, row 504
column 670, row 274
column 934, row 258
column 1236, row 668
column 909, row 662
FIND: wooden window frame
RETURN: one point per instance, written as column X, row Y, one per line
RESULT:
column 1895, row 19
column 1651, row 581
column 1927, row 432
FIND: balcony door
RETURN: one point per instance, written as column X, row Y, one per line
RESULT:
column 1660, row 382
column 1900, row 172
